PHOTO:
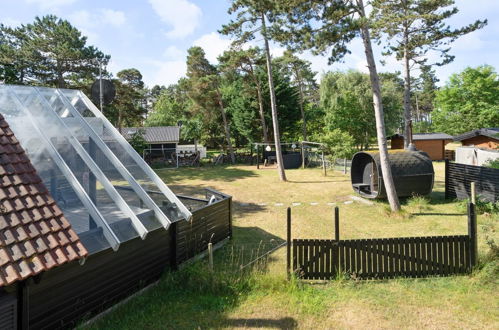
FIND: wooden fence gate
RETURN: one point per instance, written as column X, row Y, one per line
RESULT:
column 322, row 259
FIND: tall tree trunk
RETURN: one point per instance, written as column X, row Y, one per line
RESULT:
column 226, row 127
column 302, row 100
column 120, row 120
column 260, row 105
column 275, row 122
column 378, row 112
column 407, row 93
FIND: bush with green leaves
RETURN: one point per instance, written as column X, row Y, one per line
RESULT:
column 138, row 142
column 481, row 206
column 492, row 163
column 337, row 144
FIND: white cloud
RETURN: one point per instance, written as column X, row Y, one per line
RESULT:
column 213, row 44
column 80, row 18
column 11, row 22
column 174, row 53
column 167, row 73
column 89, row 23
column 50, row 4
column 183, row 16
column 113, row 17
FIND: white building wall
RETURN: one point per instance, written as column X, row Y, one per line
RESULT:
column 475, row 156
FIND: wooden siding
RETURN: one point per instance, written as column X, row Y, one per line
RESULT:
column 481, row 141
column 210, row 224
column 8, row 311
column 73, row 291
column 434, row 148
column 397, row 143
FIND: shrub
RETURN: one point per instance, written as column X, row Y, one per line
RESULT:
column 492, row 163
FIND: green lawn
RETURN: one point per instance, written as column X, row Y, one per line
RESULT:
column 261, row 297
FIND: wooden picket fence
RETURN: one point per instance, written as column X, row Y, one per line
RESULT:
column 377, row 258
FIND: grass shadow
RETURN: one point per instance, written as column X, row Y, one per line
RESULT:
column 195, row 297
column 207, row 173
column 325, row 181
column 247, row 208
column 282, row 323
column 437, row 213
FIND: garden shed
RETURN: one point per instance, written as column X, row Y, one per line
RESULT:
column 111, row 226
column 431, row 143
column 412, row 173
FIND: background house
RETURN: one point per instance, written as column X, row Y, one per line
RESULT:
column 479, row 146
column 485, row 138
column 431, row 143
column 160, row 139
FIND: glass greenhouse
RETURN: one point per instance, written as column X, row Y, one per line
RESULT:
column 105, row 189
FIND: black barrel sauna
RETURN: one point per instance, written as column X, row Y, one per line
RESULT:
column 412, row 173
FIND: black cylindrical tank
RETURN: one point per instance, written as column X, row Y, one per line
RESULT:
column 412, row 173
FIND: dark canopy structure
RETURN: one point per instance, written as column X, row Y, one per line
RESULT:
column 412, row 172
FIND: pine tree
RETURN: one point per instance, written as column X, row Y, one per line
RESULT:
column 253, row 16
column 304, row 79
column 204, row 89
column 413, row 28
column 331, row 25
column 50, row 52
column 246, row 62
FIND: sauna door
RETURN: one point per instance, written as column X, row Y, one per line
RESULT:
column 374, row 178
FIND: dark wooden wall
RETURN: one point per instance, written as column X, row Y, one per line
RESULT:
column 209, row 225
column 458, row 178
column 67, row 294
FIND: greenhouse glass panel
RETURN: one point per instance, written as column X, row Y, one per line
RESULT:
column 104, row 191
column 155, row 188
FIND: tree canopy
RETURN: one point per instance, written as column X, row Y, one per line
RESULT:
column 469, row 100
column 50, row 52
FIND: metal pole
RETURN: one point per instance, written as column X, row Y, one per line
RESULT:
column 344, row 166
column 302, row 156
column 101, row 97
column 336, row 223
column 288, row 247
column 257, row 157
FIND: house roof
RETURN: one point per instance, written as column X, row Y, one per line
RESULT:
column 489, row 132
column 426, row 136
column 34, row 234
column 155, row 134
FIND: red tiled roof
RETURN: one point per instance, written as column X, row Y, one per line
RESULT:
column 34, row 234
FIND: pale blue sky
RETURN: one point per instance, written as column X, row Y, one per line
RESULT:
column 154, row 35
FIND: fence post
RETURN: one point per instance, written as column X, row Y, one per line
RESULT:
column 288, row 247
column 446, row 178
column 472, row 234
column 344, row 166
column 302, row 156
column 473, row 192
column 210, row 256
column 337, row 223
column 257, row 157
